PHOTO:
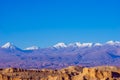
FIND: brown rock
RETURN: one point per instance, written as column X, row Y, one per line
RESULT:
column 70, row 73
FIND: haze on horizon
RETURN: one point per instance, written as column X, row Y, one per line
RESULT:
column 44, row 23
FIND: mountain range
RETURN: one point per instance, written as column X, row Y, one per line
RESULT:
column 61, row 55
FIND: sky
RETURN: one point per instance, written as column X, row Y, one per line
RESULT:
column 46, row 22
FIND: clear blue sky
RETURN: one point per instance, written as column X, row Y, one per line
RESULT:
column 46, row 22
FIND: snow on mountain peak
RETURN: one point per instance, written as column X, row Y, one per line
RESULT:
column 110, row 42
column 32, row 48
column 86, row 44
column 98, row 44
column 8, row 45
column 60, row 45
column 113, row 43
column 76, row 44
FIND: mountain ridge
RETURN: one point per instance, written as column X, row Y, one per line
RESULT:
column 63, row 45
column 55, row 58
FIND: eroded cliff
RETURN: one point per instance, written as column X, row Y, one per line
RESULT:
column 69, row 73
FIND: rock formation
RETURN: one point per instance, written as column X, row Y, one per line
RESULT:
column 69, row 73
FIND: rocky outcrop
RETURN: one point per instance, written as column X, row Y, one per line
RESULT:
column 70, row 73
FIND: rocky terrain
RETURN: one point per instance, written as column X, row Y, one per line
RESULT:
column 69, row 73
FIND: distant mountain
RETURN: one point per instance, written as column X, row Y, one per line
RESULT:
column 8, row 45
column 61, row 55
column 32, row 48
column 60, row 45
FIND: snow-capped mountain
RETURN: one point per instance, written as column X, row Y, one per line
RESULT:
column 116, row 43
column 98, row 44
column 87, row 45
column 60, row 45
column 8, row 45
column 61, row 55
column 81, row 45
column 32, row 48
column 78, row 44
